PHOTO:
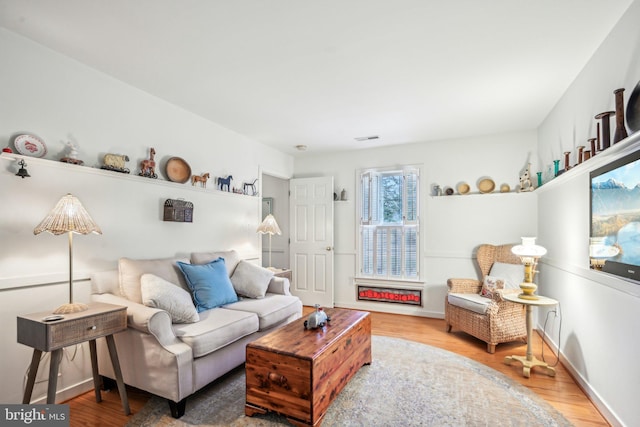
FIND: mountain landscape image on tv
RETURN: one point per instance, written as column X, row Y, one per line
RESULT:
column 615, row 213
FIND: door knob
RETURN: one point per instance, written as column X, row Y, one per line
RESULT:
column 328, row 248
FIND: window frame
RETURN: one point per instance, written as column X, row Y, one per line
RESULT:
column 374, row 222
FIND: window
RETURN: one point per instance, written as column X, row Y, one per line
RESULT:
column 389, row 224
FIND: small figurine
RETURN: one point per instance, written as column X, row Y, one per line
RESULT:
column 525, row 180
column 148, row 166
column 317, row 319
column 115, row 162
column 202, row 179
column 250, row 186
column 225, row 182
column 72, row 154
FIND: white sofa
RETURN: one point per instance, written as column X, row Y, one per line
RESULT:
column 174, row 360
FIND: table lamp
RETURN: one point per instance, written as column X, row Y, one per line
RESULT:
column 529, row 253
column 269, row 226
column 68, row 216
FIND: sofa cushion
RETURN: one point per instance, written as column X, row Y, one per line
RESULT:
column 472, row 302
column 217, row 328
column 209, row 284
column 251, row 280
column 130, row 271
column 159, row 293
column 231, row 258
column 271, row 310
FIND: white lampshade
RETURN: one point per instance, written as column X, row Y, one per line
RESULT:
column 269, row 226
column 68, row 216
column 528, row 248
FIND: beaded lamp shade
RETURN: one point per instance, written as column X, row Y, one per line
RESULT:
column 68, row 216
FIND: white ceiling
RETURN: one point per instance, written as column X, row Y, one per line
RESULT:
column 321, row 73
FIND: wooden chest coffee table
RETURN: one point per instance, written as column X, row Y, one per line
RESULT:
column 298, row 372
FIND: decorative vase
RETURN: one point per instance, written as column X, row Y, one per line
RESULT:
column 566, row 160
column 621, row 132
column 606, row 129
column 580, row 151
column 556, row 167
column 343, row 194
column 592, row 142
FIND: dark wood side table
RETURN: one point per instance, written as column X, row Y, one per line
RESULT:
column 100, row 320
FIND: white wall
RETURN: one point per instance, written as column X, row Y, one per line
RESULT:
column 452, row 226
column 599, row 313
column 57, row 98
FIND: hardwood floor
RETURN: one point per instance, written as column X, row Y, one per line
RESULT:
column 560, row 391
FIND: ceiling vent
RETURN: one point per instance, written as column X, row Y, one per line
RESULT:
column 367, row 138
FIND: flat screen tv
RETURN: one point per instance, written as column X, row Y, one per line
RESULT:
column 615, row 215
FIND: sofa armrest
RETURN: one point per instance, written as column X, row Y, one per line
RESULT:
column 464, row 286
column 279, row 285
column 145, row 319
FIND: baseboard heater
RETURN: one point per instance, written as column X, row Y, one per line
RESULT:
column 393, row 295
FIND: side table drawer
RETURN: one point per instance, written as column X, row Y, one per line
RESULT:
column 86, row 329
column 74, row 329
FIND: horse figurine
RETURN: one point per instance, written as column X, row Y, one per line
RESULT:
column 148, row 166
column 246, row 186
column 525, row 180
column 225, row 182
column 202, row 179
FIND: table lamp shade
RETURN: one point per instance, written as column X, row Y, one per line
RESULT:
column 269, row 226
column 68, row 216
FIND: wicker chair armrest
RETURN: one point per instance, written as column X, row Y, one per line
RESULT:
column 464, row 286
column 498, row 294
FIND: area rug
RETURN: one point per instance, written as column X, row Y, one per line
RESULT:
column 408, row 384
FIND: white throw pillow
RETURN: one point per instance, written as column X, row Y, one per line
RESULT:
column 512, row 274
column 130, row 271
column 159, row 293
column 251, row 280
column 491, row 284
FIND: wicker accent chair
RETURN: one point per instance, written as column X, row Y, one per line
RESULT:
column 504, row 321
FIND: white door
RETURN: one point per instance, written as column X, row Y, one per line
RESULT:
column 311, row 256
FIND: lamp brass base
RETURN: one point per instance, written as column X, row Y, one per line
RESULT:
column 528, row 291
column 72, row 307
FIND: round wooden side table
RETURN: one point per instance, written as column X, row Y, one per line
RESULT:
column 529, row 361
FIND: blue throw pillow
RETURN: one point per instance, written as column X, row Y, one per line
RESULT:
column 209, row 284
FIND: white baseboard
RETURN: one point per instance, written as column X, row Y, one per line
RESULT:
column 592, row 394
column 68, row 392
column 387, row 308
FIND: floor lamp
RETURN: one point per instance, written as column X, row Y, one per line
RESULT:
column 68, row 216
column 269, row 226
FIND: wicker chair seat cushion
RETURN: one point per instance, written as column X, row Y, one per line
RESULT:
column 472, row 302
column 512, row 274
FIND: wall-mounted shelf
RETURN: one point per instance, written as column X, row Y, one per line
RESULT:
column 477, row 194
column 33, row 162
column 628, row 144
